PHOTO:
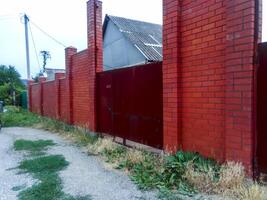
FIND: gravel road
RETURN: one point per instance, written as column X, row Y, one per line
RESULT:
column 85, row 175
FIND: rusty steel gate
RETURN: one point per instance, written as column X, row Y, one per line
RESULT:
column 129, row 104
column 262, row 109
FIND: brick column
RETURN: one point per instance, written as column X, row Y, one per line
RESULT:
column 57, row 95
column 41, row 80
column 172, row 94
column 30, row 82
column 95, row 54
column 69, row 52
column 240, row 81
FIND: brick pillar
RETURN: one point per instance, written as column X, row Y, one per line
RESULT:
column 41, row 80
column 57, row 95
column 69, row 52
column 172, row 121
column 240, row 81
column 30, row 82
column 95, row 54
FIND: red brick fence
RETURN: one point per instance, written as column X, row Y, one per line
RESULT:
column 209, row 78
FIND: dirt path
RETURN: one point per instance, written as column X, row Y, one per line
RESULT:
column 85, row 175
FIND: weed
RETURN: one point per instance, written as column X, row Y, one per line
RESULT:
column 146, row 175
column 114, row 155
column 83, row 137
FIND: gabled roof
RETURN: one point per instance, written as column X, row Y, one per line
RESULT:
column 54, row 70
column 146, row 37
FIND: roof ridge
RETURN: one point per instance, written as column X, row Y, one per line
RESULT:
column 135, row 20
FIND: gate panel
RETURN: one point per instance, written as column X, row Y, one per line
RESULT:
column 132, row 106
column 262, row 109
column 104, row 103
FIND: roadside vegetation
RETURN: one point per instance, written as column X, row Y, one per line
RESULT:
column 11, row 86
column 45, row 169
column 184, row 174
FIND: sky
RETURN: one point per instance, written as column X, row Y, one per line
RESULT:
column 65, row 20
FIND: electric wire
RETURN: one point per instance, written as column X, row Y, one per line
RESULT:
column 48, row 35
column 34, row 47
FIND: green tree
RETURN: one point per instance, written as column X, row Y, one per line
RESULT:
column 10, row 83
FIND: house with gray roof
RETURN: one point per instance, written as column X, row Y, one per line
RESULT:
column 128, row 42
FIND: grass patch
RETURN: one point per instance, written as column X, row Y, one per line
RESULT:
column 43, row 165
column 35, row 147
column 184, row 173
column 16, row 116
column 45, row 169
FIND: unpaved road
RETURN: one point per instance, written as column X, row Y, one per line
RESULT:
column 85, row 175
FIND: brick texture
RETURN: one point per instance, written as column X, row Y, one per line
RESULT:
column 49, row 99
column 71, row 96
column 95, row 54
column 63, row 103
column 81, row 97
column 208, row 75
column 172, row 93
column 35, row 98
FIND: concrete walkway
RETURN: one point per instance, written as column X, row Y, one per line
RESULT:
column 85, row 175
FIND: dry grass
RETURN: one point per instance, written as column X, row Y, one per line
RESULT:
column 101, row 145
column 247, row 191
column 202, row 181
column 231, row 175
column 135, row 156
column 231, row 182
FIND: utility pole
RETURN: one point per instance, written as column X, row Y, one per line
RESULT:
column 26, row 20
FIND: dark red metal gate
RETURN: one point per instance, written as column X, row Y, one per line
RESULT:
column 129, row 103
column 262, row 109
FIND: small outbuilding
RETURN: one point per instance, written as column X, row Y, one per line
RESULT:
column 128, row 42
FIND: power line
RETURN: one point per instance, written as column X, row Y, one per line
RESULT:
column 34, row 47
column 48, row 35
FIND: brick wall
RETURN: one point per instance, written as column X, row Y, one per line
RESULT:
column 95, row 54
column 49, row 99
column 71, row 97
column 63, row 102
column 35, row 103
column 208, row 77
column 81, row 97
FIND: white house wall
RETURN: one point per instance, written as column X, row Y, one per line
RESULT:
column 118, row 51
